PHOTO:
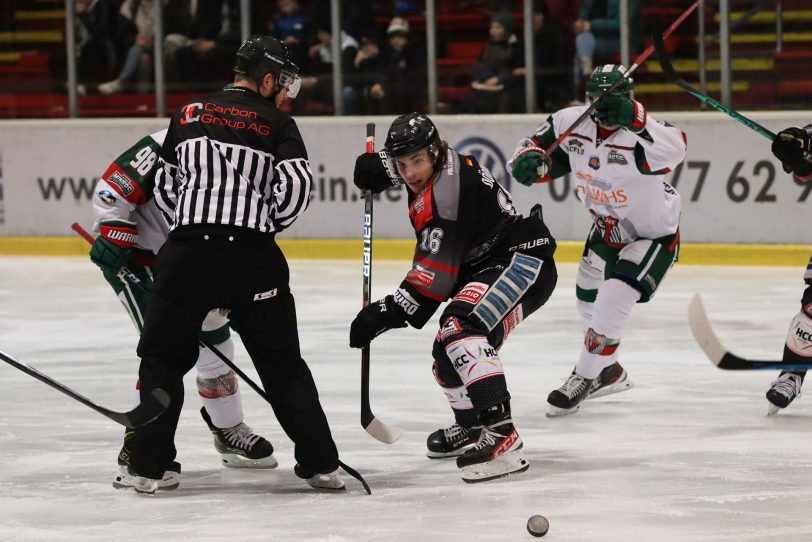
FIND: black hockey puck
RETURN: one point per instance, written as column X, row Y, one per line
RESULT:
column 538, row 525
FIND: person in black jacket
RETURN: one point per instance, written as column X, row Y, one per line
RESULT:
column 233, row 171
column 475, row 249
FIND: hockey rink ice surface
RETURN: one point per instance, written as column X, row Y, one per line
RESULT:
column 687, row 454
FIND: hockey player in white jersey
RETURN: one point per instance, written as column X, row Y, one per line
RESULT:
column 619, row 157
column 793, row 146
column 131, row 230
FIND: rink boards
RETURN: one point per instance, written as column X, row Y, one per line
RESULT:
column 733, row 190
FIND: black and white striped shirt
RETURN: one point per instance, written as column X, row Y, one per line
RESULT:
column 233, row 159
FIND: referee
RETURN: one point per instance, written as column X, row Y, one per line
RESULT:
column 233, row 171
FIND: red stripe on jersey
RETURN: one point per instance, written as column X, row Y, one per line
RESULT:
column 426, row 293
column 436, row 265
column 581, row 136
column 420, row 211
column 124, row 184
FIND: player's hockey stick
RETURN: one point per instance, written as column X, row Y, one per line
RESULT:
column 371, row 424
column 638, row 61
column 153, row 406
column 129, row 276
column 719, row 355
column 674, row 77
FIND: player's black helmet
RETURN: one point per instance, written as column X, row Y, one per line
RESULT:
column 411, row 133
column 259, row 55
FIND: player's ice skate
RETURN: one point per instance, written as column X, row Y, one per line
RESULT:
column 783, row 392
column 567, row 399
column 613, row 379
column 576, row 389
column 126, row 479
column 452, row 441
column 497, row 454
column 240, row 447
column 331, row 481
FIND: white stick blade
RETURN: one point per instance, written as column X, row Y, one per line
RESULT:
column 703, row 333
column 384, row 433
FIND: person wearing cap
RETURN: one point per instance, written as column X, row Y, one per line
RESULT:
column 494, row 67
column 233, row 171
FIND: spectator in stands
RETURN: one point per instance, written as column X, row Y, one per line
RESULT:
column 95, row 53
column 598, row 34
column 494, row 68
column 551, row 60
column 193, row 25
column 292, row 27
column 318, row 86
column 393, row 81
column 135, row 23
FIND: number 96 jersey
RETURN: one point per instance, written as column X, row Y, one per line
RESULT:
column 619, row 175
column 124, row 192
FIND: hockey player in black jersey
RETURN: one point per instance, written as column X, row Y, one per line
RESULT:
column 495, row 266
column 793, row 146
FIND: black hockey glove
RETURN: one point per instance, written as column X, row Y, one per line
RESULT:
column 374, row 319
column 793, row 146
column 370, row 174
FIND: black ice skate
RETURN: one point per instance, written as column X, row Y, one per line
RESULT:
column 239, row 447
column 452, row 441
column 612, row 379
column 129, row 479
column 783, row 391
column 567, row 399
column 332, row 480
column 125, row 479
column 498, row 452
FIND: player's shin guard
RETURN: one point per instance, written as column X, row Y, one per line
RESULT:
column 218, row 387
column 453, row 441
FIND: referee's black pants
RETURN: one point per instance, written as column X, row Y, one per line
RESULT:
column 202, row 268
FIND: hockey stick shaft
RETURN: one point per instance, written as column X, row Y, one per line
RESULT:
column 366, row 409
column 129, row 276
column 372, row 425
column 145, row 412
column 669, row 71
column 638, row 61
column 719, row 355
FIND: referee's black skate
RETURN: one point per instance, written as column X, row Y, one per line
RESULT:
column 126, row 479
column 331, row 481
column 498, row 452
column 567, row 399
column 452, row 441
column 240, row 447
column 783, row 391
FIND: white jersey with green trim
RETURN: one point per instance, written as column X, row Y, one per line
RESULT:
column 125, row 191
column 620, row 179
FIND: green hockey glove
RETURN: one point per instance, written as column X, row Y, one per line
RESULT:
column 531, row 166
column 112, row 248
column 620, row 110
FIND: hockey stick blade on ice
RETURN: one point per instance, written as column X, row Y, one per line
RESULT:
column 133, row 280
column 372, row 425
column 150, row 408
column 719, row 355
column 674, row 77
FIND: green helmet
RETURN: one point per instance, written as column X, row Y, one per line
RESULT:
column 604, row 77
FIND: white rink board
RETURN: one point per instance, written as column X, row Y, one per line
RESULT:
column 740, row 193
